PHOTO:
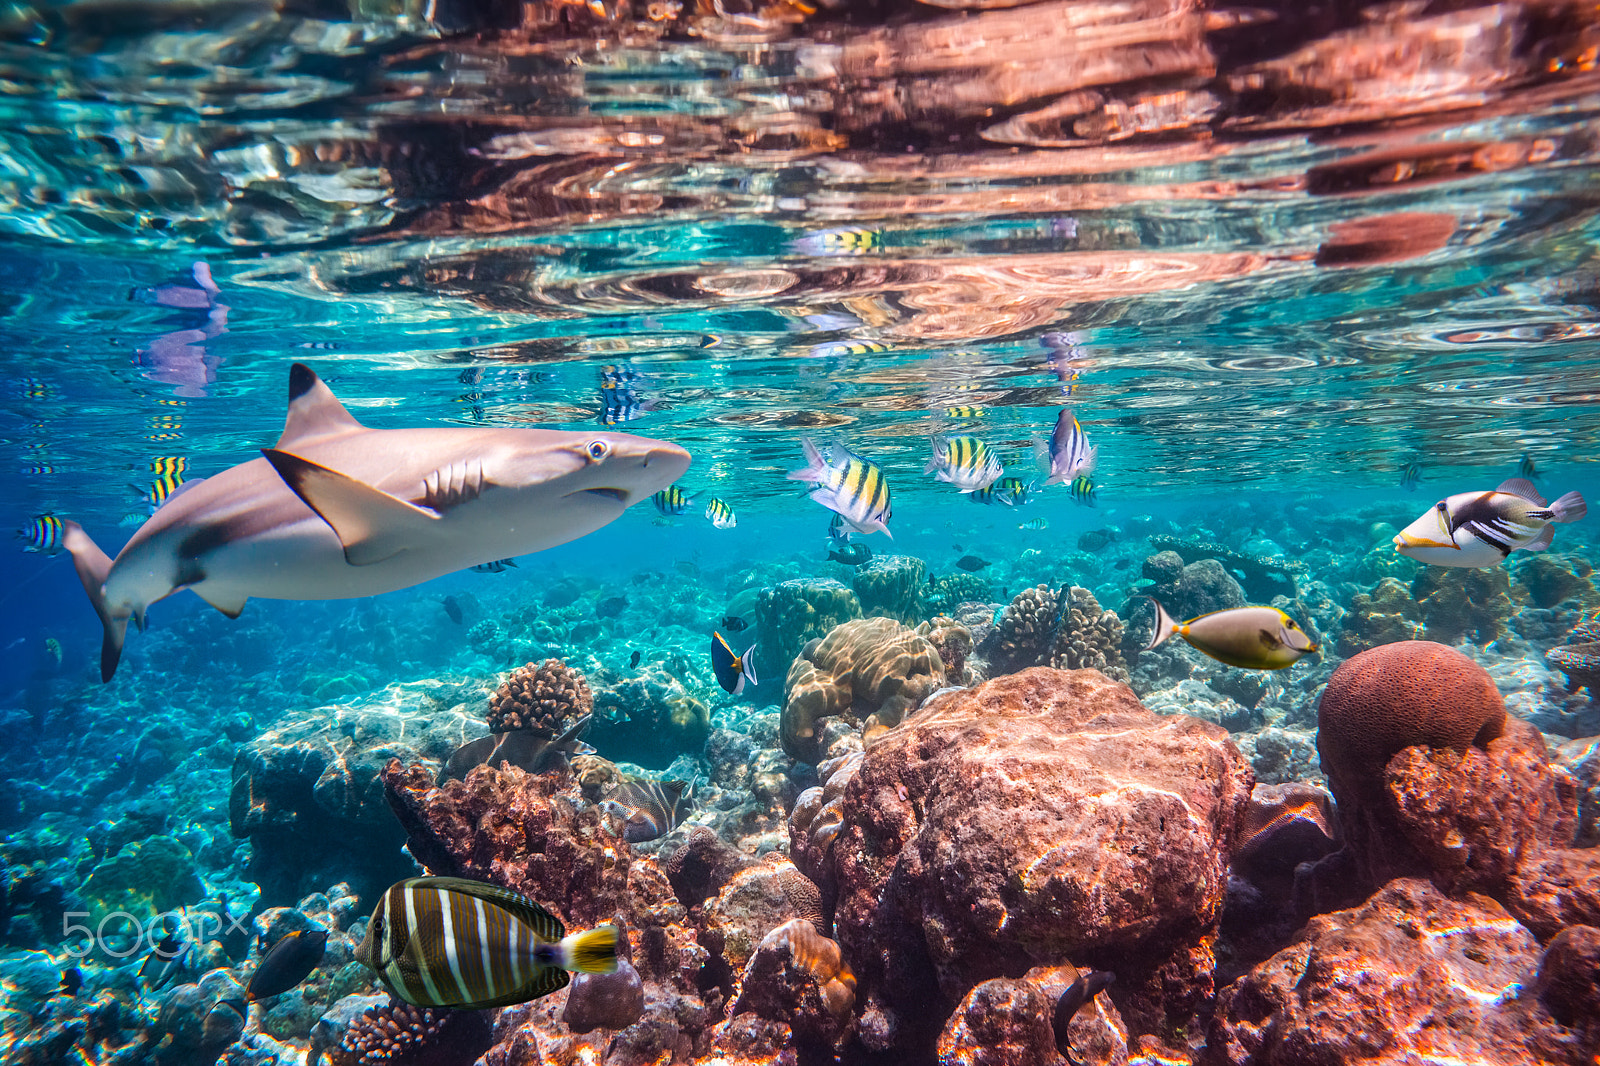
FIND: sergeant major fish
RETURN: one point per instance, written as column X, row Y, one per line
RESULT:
column 1481, row 529
column 495, row 566
column 43, row 533
column 672, row 501
column 720, row 514
column 1253, row 638
column 965, row 462
column 450, row 942
column 851, row 487
column 1009, row 491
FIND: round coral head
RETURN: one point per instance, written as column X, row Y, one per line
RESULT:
column 1394, row 696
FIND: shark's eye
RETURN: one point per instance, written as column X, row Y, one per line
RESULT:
column 598, row 450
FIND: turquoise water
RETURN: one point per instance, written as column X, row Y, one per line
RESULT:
column 1262, row 315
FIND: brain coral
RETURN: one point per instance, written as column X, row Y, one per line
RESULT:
column 1391, row 697
column 874, row 670
column 892, row 586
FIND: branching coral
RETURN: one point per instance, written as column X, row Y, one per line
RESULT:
column 400, row 1034
column 1089, row 637
column 545, row 698
column 1026, row 631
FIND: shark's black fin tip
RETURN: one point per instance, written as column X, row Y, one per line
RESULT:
column 302, row 379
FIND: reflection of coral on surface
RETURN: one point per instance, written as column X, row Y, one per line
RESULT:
column 546, row 698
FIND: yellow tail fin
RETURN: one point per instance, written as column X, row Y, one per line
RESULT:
column 592, row 952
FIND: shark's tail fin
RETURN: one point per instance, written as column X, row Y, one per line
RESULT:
column 93, row 565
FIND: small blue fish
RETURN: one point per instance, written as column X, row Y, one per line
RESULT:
column 732, row 670
column 1034, row 524
column 498, row 566
column 720, row 514
column 42, row 533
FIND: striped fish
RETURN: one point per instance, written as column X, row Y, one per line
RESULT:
column 1083, row 490
column 42, row 534
column 1071, row 453
column 842, row 241
column 1034, row 524
column 648, row 809
column 1010, row 491
column 838, row 533
column 966, row 412
column 720, row 514
column 495, row 566
column 835, row 349
column 965, row 462
column 672, row 501
column 852, row 487
column 169, row 465
column 450, row 942
column 161, row 490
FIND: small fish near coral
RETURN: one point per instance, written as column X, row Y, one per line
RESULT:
column 451, row 942
column 1525, row 469
column 732, row 670
column 1075, row 998
column 1410, row 476
column 1034, row 525
column 851, row 555
column 1008, row 491
column 1481, row 529
column 523, row 748
column 287, row 963
column 337, row 510
column 633, row 660
column 734, row 624
column 850, row 486
column 647, row 809
column 168, row 958
column 452, row 609
column 972, row 564
column 1083, row 490
column 1252, row 638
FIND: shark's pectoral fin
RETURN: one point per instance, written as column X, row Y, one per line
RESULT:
column 370, row 523
column 229, row 603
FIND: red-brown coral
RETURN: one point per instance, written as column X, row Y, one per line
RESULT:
column 1397, row 695
column 547, row 698
column 798, row 976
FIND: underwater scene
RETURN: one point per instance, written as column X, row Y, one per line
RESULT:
column 732, row 532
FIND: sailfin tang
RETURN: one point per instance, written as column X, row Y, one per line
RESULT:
column 314, row 412
column 594, row 951
column 525, row 910
column 371, row 524
column 93, row 565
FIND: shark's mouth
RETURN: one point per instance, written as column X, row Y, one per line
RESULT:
column 620, row 495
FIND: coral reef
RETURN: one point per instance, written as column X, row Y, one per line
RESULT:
column 754, row 900
column 1580, row 760
column 798, row 977
column 309, row 793
column 954, row 644
column 815, row 822
column 1025, row 633
column 891, row 586
column 1435, row 984
column 400, row 1034
column 1088, row 637
column 1386, row 615
column 1555, row 579
column 544, row 698
column 1459, row 602
column 1196, row 589
column 1579, row 657
column 793, row 612
column 144, row 879
column 1262, row 577
column 1006, row 1021
column 872, row 671
column 945, row 592
column 1105, row 835
column 649, row 718
column 604, row 1000
column 702, row 865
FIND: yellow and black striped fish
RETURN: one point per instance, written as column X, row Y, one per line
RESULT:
column 965, row 462
column 1083, row 489
column 450, row 942
column 835, row 349
column 852, row 487
column 162, row 488
column 1010, row 491
column 672, row 501
column 43, row 534
column 720, row 514
column 842, row 241
column 167, row 465
column 964, row 412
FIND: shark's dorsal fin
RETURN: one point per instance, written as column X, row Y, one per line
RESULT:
column 315, row 413
column 371, row 524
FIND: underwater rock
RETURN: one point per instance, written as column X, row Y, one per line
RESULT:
column 309, row 793
column 755, row 900
column 953, row 642
column 1556, row 888
column 1462, row 602
column 815, row 821
column 1386, row 615
column 1280, row 756
column 1199, row 588
column 1566, row 983
column 535, row 835
column 544, row 698
column 604, row 1000
column 1264, row 576
column 197, row 1021
column 1580, row 759
column 702, row 865
column 1555, row 579
column 1006, row 1021
column 1579, row 657
column 145, row 878
column 1041, row 815
column 1283, row 826
column 1408, row 976
column 891, row 586
column 872, row 671
column 793, row 612
column 648, row 719
column 798, row 977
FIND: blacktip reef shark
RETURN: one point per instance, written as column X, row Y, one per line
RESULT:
column 336, row 510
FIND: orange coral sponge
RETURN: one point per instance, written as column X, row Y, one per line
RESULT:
column 1394, row 696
